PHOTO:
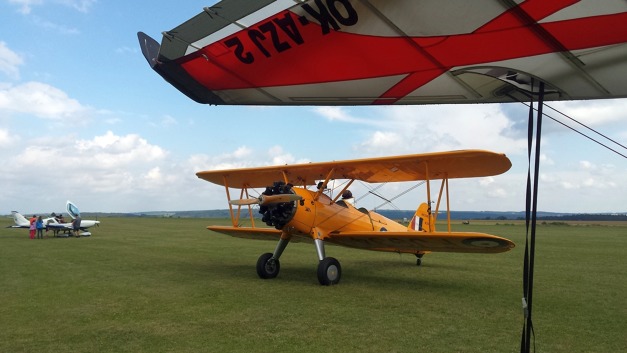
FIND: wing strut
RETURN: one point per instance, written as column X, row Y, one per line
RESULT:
column 322, row 186
column 531, row 211
column 428, row 180
column 443, row 187
column 344, row 189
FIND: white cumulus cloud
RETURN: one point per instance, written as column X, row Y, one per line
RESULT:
column 10, row 62
column 103, row 164
column 6, row 138
column 41, row 100
column 26, row 6
column 417, row 129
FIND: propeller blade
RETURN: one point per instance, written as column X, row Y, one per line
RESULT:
column 266, row 200
column 281, row 198
column 244, row 202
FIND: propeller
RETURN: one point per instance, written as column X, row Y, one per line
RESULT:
column 267, row 199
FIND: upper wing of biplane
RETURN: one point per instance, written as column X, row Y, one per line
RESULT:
column 438, row 165
column 360, row 52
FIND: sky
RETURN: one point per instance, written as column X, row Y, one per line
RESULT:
column 84, row 118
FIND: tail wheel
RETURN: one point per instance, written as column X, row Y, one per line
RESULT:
column 329, row 271
column 267, row 266
column 419, row 259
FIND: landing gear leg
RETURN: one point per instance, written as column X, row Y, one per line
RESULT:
column 329, row 269
column 268, row 265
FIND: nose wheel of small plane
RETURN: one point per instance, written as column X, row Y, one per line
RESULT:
column 419, row 259
column 267, row 266
column 329, row 271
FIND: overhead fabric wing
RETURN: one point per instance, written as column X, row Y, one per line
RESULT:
column 414, row 242
column 439, row 165
column 362, row 52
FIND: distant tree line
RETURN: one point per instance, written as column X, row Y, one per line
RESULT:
column 392, row 214
column 587, row 217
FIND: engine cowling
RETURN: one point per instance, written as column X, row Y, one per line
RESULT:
column 277, row 215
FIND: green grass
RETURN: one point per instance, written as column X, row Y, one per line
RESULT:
column 169, row 285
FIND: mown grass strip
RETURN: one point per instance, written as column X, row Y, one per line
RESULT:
column 169, row 285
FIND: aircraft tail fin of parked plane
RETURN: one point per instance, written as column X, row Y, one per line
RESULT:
column 421, row 221
column 20, row 221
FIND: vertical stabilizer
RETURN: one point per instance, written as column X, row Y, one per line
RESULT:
column 20, row 220
column 421, row 221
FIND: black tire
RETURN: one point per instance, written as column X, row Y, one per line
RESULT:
column 267, row 267
column 329, row 271
column 419, row 259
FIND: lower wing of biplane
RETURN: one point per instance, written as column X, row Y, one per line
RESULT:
column 298, row 208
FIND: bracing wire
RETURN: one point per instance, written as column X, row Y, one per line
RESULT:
column 587, row 127
column 370, row 190
column 399, row 195
column 579, row 132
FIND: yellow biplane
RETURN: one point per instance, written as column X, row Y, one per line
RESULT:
column 297, row 206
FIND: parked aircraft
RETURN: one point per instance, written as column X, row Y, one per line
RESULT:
column 298, row 212
column 53, row 223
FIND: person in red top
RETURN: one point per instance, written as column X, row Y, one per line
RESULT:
column 33, row 226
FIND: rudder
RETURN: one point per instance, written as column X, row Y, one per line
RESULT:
column 19, row 219
column 421, row 221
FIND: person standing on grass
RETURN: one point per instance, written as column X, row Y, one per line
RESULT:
column 39, row 224
column 76, row 225
column 33, row 227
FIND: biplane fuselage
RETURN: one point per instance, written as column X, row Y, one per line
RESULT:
column 297, row 205
column 325, row 216
column 317, row 216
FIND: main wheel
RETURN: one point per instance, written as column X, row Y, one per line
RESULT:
column 329, row 271
column 268, row 267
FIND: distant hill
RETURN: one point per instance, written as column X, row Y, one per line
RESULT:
column 393, row 214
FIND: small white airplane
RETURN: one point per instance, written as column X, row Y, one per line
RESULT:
column 54, row 223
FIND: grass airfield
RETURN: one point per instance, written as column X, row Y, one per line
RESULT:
column 170, row 285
